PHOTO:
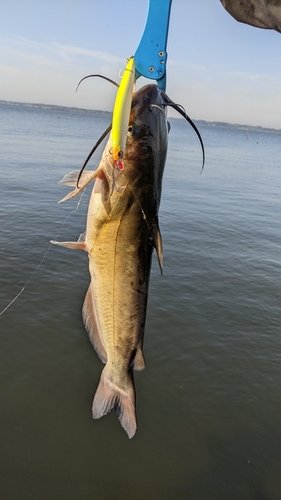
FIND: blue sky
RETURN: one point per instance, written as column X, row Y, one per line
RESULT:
column 218, row 69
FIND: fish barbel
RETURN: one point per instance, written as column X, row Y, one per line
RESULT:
column 121, row 232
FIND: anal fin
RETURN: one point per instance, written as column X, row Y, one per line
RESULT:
column 92, row 327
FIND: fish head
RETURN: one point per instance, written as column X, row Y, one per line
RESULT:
column 146, row 146
column 147, row 142
column 148, row 126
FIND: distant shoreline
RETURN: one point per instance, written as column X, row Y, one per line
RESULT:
column 205, row 123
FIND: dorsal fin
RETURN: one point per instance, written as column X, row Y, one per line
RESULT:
column 139, row 363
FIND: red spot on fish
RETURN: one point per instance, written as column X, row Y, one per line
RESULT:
column 101, row 176
column 119, row 164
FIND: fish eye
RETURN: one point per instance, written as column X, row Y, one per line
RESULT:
column 133, row 129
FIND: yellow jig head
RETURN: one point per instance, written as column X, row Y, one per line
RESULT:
column 121, row 113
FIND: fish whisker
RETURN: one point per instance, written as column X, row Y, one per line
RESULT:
column 99, row 76
column 180, row 109
column 99, row 141
column 156, row 106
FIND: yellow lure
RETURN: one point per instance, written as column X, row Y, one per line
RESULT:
column 121, row 113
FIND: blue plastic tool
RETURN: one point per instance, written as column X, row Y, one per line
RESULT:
column 151, row 55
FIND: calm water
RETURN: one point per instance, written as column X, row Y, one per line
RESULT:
column 209, row 401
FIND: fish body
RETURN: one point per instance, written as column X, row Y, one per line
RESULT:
column 121, row 232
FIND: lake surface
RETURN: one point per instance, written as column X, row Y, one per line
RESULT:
column 209, row 401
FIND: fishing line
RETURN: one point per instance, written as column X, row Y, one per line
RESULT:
column 130, row 187
column 138, row 201
column 44, row 256
column 133, row 192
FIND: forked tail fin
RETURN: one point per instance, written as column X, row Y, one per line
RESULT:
column 109, row 396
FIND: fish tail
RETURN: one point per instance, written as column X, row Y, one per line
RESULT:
column 109, row 396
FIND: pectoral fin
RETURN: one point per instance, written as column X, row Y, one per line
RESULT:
column 157, row 242
column 86, row 178
column 70, row 179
